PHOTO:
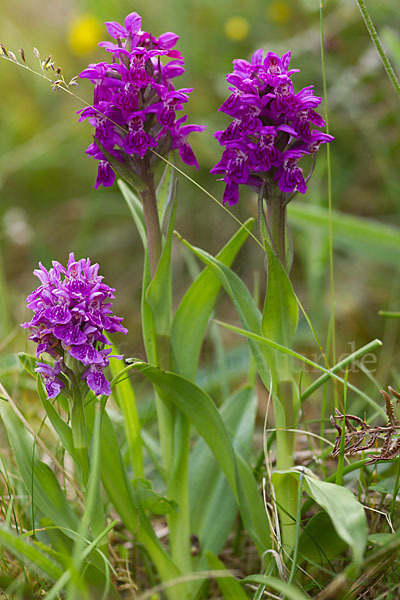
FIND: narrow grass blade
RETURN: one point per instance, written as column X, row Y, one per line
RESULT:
column 29, row 554
column 65, row 577
column 36, row 475
column 370, row 347
column 273, row 345
column 378, row 45
column 392, row 315
column 290, row 591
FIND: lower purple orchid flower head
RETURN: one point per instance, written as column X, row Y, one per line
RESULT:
column 72, row 310
column 271, row 129
column 135, row 102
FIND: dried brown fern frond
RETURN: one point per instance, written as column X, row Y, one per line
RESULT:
column 359, row 436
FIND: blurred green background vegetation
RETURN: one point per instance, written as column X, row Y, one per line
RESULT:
column 49, row 206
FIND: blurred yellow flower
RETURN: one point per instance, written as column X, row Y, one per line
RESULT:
column 84, row 34
column 236, row 28
column 279, row 11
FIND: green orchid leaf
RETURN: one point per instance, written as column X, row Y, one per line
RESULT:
column 194, row 311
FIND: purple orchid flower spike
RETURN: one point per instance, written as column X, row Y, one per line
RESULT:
column 135, row 103
column 271, row 125
column 72, row 310
column 271, row 132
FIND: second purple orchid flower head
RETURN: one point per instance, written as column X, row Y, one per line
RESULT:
column 271, row 129
column 72, row 310
column 135, row 103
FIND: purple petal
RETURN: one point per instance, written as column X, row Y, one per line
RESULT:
column 116, row 30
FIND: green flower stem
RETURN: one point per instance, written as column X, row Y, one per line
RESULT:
column 178, row 489
column 98, row 521
column 79, row 433
column 152, row 222
column 276, row 221
column 286, row 492
column 165, row 409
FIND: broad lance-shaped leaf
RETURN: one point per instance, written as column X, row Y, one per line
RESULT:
column 193, row 314
column 165, row 193
column 198, row 407
column 245, row 306
column 122, row 495
column 124, row 393
column 281, row 313
column 136, row 210
column 212, row 504
column 319, row 541
column 346, row 513
column 62, row 429
column 279, row 323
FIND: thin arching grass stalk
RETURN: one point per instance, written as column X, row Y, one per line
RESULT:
column 339, row 470
column 340, row 365
column 378, row 45
column 207, row 193
column 329, row 184
column 322, row 425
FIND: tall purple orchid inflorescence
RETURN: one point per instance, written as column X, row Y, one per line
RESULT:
column 271, row 128
column 72, row 311
column 135, row 103
column 271, row 131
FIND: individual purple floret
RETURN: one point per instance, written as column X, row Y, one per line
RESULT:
column 72, row 310
column 135, row 102
column 271, row 129
column 53, row 384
